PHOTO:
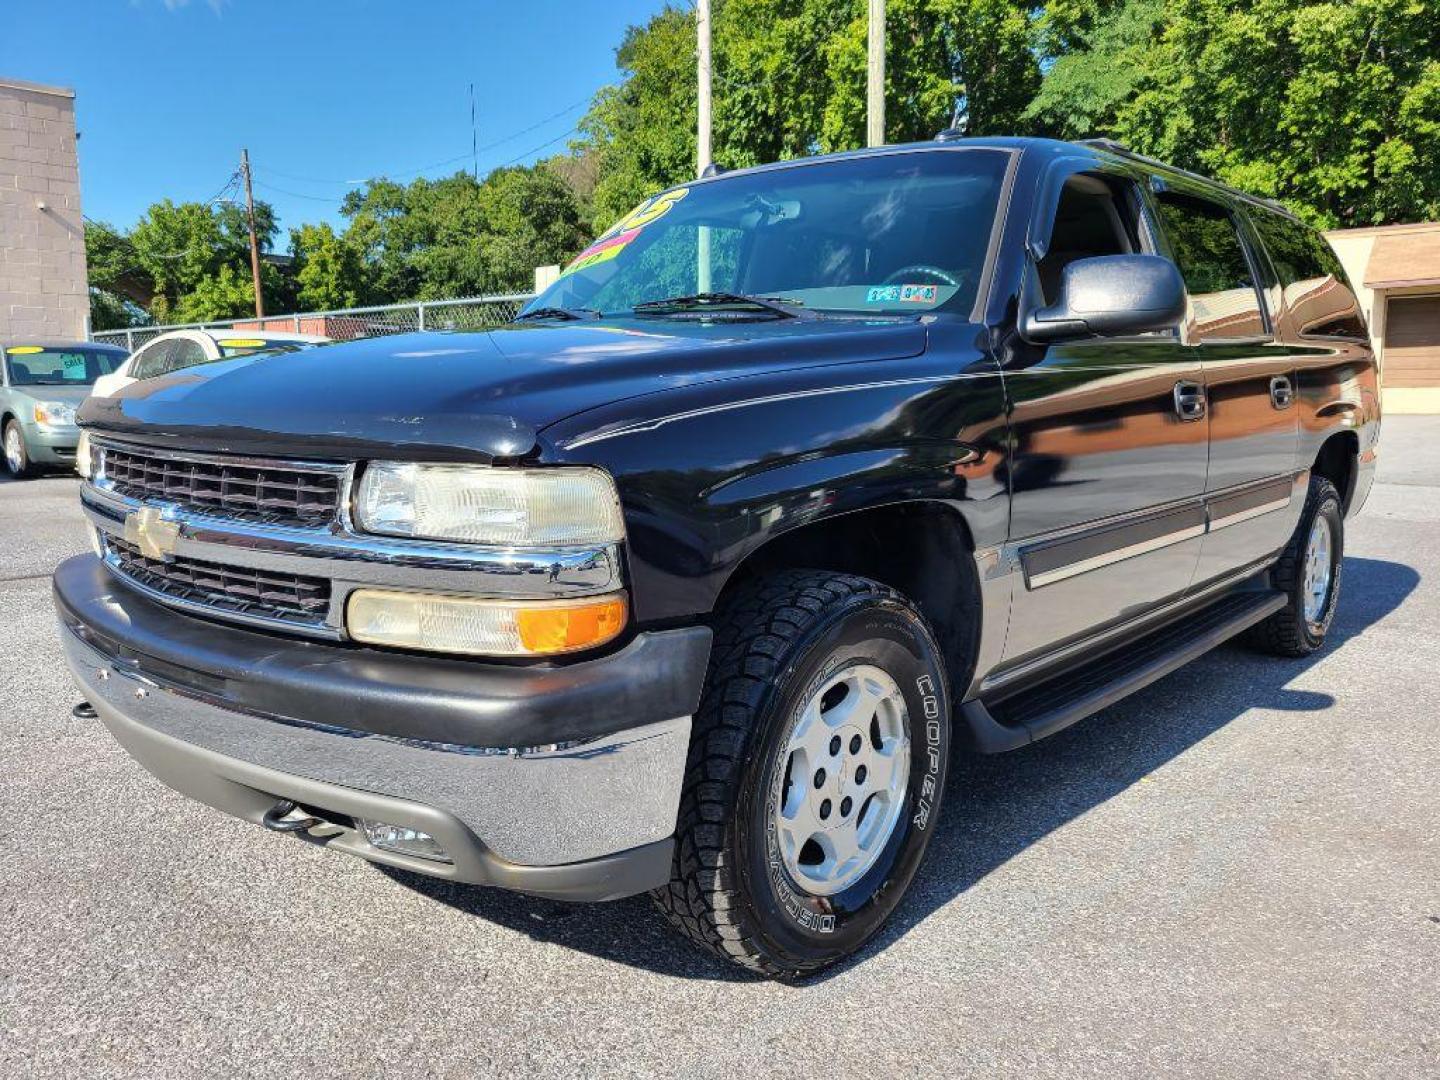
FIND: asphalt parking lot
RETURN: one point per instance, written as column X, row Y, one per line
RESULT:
column 1234, row 873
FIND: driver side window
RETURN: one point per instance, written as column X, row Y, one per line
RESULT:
column 1093, row 218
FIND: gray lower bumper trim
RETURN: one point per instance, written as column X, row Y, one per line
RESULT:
column 500, row 816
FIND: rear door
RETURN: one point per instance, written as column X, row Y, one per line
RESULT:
column 1249, row 381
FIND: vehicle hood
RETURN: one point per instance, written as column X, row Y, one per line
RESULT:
column 467, row 395
column 70, row 395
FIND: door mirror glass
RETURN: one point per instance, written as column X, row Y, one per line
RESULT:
column 1111, row 296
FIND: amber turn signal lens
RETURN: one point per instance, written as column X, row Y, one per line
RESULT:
column 467, row 624
column 556, row 629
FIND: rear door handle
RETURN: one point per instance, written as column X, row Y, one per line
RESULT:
column 1189, row 400
column 1282, row 392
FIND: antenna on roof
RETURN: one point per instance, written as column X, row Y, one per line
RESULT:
column 953, row 132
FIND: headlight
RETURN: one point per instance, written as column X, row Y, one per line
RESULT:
column 484, row 505
column 54, row 414
column 462, row 624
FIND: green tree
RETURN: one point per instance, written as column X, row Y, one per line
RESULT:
column 789, row 78
column 438, row 239
column 329, row 270
column 179, row 246
column 1332, row 107
column 221, row 295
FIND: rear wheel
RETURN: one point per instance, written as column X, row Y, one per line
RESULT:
column 17, row 455
column 1309, row 574
column 815, row 774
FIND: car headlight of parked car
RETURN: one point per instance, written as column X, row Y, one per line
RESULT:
column 54, row 414
column 529, row 509
column 526, row 508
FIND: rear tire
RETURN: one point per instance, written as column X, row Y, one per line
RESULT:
column 17, row 454
column 804, row 662
column 1309, row 574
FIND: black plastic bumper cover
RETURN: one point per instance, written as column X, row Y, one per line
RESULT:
column 656, row 677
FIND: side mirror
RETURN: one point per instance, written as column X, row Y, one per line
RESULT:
column 1111, row 295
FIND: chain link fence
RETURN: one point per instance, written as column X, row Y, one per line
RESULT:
column 471, row 313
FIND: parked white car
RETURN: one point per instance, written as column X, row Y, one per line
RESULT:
column 185, row 348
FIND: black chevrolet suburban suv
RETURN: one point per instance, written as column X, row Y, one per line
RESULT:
column 691, row 578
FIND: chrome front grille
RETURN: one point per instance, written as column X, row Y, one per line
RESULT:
column 268, row 595
column 274, row 493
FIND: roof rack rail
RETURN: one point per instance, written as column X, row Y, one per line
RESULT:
column 1122, row 150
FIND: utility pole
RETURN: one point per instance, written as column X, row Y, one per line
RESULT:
column 702, row 135
column 254, row 244
column 875, row 77
column 702, row 50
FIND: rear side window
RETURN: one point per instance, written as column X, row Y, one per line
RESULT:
column 150, row 361
column 1224, row 300
column 1313, row 284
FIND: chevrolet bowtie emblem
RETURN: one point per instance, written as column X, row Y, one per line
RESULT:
column 150, row 531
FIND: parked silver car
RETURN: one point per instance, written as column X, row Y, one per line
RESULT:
column 41, row 384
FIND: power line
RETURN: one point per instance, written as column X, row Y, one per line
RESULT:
column 472, row 153
column 331, row 199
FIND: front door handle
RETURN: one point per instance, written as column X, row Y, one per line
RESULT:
column 1282, row 393
column 1189, row 400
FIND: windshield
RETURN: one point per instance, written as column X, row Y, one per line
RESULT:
column 889, row 233
column 275, row 345
column 36, row 365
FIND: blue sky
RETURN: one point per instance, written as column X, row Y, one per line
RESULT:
column 168, row 91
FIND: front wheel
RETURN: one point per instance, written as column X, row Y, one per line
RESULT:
column 816, row 770
column 17, row 455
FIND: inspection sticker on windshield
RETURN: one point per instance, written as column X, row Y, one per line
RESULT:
column 24, row 350
column 918, row 294
column 902, row 294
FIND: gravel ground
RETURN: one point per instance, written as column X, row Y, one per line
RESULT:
column 1234, row 873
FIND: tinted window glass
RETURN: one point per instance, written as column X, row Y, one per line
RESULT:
column 891, row 233
column 185, row 353
column 1315, row 289
column 1212, row 261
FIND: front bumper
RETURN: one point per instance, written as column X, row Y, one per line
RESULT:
column 580, row 807
column 51, row 445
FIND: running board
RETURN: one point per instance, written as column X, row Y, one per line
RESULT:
column 1028, row 715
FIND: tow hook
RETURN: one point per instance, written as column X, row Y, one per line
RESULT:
column 278, row 819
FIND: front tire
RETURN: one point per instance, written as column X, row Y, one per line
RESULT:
column 1309, row 574
column 815, row 775
column 17, row 454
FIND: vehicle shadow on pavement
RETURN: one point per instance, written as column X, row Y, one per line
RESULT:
column 996, row 807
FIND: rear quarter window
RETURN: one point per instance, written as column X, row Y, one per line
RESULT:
column 1313, row 285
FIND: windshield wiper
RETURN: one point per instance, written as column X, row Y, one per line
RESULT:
column 567, row 313
column 784, row 307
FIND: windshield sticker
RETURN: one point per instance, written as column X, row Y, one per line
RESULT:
column 601, row 251
column 74, row 365
column 244, row 343
column 902, row 294
column 613, row 240
column 652, row 209
column 25, row 350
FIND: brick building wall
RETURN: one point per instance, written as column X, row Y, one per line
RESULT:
column 43, row 289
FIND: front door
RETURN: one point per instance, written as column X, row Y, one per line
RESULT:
column 1109, row 450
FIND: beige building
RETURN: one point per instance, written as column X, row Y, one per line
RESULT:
column 43, row 290
column 1396, row 271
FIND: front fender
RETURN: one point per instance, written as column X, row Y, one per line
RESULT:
column 710, row 474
